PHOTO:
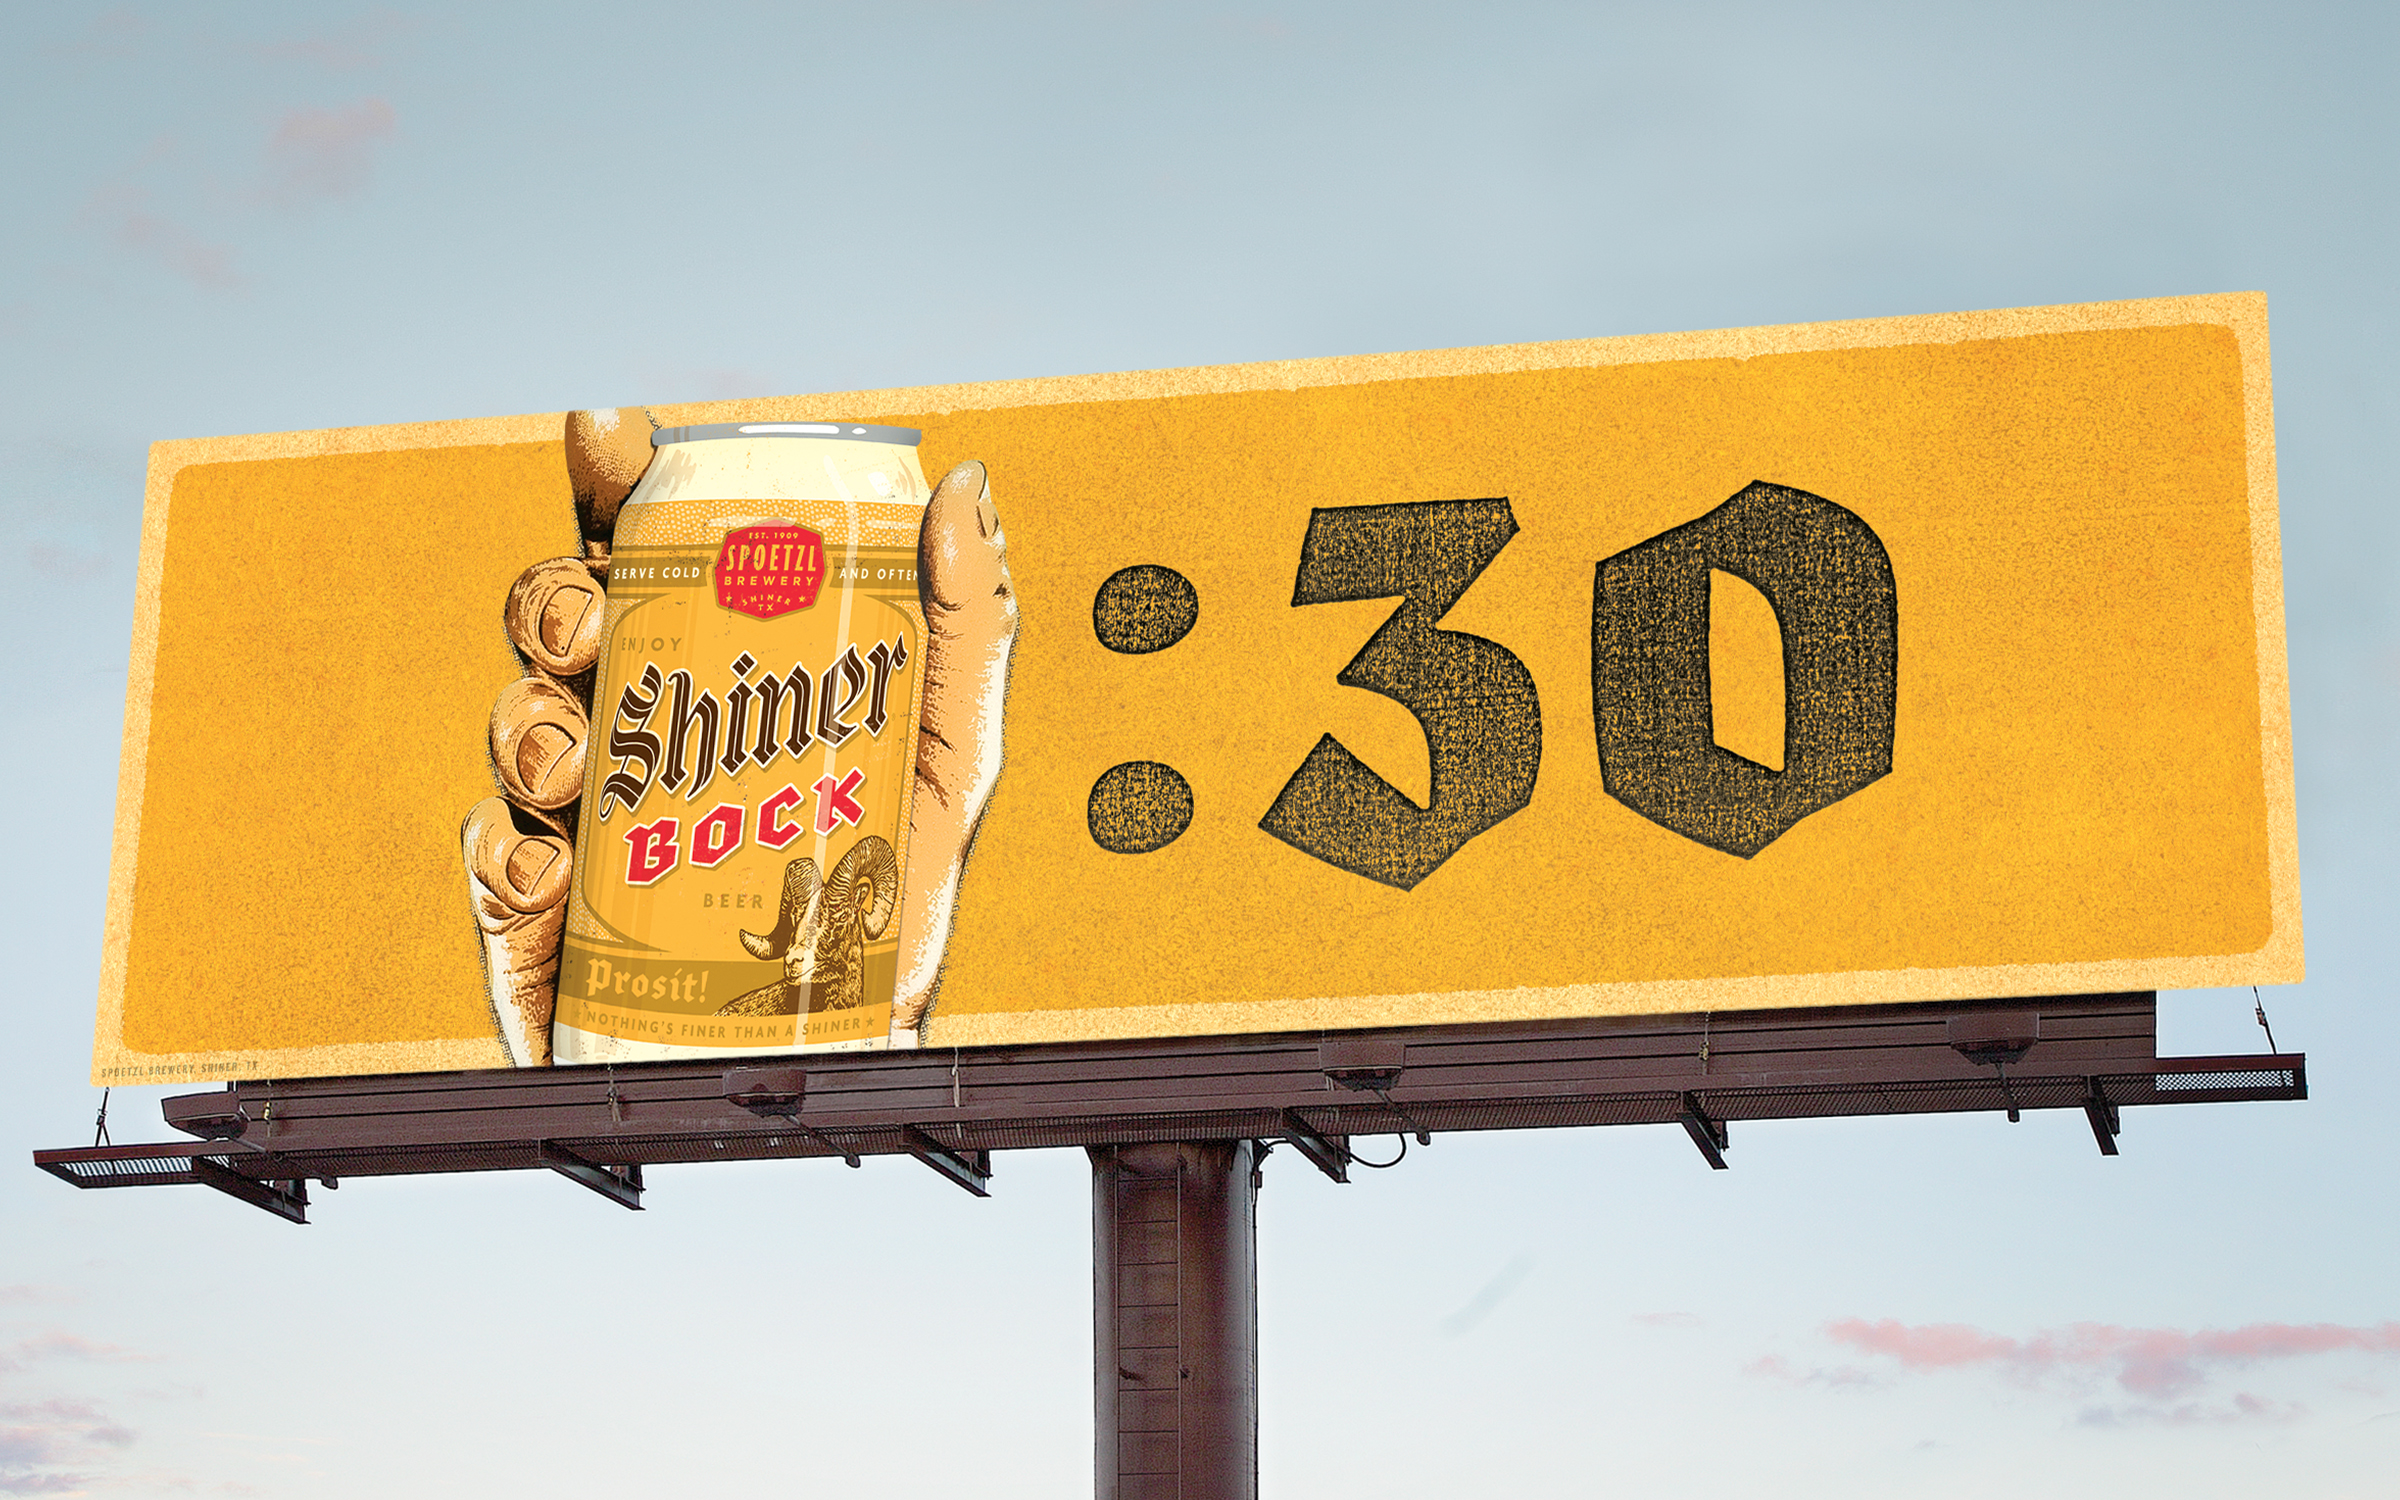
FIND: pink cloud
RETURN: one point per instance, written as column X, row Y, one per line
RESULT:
column 363, row 43
column 125, row 214
column 116, row 34
column 42, row 1441
column 61, row 1414
column 2243, row 1408
column 55, row 1345
column 2148, row 1362
column 1935, row 1346
column 319, row 154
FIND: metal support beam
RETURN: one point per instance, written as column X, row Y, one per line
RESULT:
column 619, row 1185
column 1175, row 1321
column 1712, row 1135
column 1331, row 1154
column 971, row 1170
column 2103, row 1115
column 1759, row 1065
column 285, row 1200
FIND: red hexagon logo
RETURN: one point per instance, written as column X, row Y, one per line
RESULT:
column 770, row 570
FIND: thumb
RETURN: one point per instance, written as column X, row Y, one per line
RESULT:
column 970, row 627
column 607, row 450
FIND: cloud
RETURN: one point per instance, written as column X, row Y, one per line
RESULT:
column 65, row 1415
column 2166, row 1374
column 116, row 34
column 2244, row 1408
column 55, row 1345
column 2149, row 1362
column 320, row 154
column 1840, row 1377
column 1936, row 1346
column 363, row 43
column 312, row 156
column 67, row 563
column 44, row 1484
column 43, row 1442
column 125, row 214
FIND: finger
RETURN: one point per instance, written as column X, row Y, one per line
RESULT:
column 607, row 451
column 970, row 626
column 537, row 740
column 517, row 879
column 555, row 615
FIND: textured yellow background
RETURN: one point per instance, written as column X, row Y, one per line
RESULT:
column 2092, row 771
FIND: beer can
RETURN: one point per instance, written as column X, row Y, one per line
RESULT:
column 745, row 814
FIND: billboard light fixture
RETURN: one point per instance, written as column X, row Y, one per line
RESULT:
column 1995, row 1039
column 1370, row 1065
column 212, row 1117
column 775, row 1094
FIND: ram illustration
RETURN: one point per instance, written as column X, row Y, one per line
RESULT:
column 821, row 933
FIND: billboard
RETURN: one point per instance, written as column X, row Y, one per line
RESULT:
column 1910, row 659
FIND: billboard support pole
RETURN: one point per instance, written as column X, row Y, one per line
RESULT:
column 1175, row 1320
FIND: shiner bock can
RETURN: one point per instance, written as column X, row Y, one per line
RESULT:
column 754, row 721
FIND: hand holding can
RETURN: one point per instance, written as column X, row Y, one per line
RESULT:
column 518, row 847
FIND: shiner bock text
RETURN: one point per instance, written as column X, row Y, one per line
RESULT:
column 755, row 723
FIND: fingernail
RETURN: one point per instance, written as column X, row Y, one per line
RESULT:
column 538, row 731
column 972, row 472
column 553, row 615
column 530, row 861
column 542, row 761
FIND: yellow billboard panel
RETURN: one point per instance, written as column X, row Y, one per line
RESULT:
column 1898, row 660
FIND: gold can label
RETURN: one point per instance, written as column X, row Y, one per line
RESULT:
column 746, row 807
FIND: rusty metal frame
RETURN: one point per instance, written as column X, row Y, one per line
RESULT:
column 261, row 1141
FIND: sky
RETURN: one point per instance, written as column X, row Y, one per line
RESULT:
column 252, row 218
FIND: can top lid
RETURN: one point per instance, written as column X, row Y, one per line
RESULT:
column 853, row 432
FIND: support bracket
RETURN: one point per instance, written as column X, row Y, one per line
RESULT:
column 2102, row 1112
column 971, row 1170
column 620, row 1185
column 286, row 1200
column 1331, row 1154
column 1712, row 1135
